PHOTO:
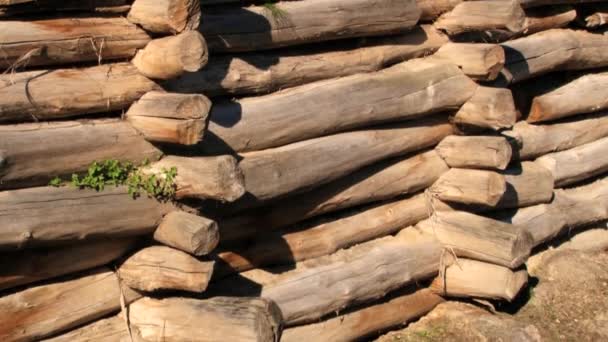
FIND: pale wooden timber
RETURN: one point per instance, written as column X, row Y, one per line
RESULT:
column 190, row 233
column 477, row 237
column 170, row 117
column 366, row 321
column 470, row 186
column 432, row 9
column 583, row 95
column 596, row 19
column 268, row 71
column 46, row 310
column 476, row 152
column 113, row 329
column 34, row 153
column 536, row 140
column 61, row 93
column 164, row 268
column 553, row 50
column 377, row 182
column 166, row 16
column 545, row 18
column 14, row 2
column 578, row 163
column 100, row 7
column 493, row 20
column 170, row 57
column 215, row 319
column 323, row 238
column 30, row 266
column 217, row 178
column 279, row 171
column 232, row 28
column 481, row 62
column 49, row 216
column 477, row 279
column 329, row 106
column 535, row 3
column 63, row 41
column 491, row 108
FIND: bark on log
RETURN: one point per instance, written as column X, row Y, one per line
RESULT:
column 378, row 182
column 583, row 95
column 261, row 28
column 576, row 164
column 481, row 62
column 49, row 216
column 98, row 7
column 432, row 9
column 170, row 57
column 45, row 310
column 491, row 108
column 477, row 237
column 476, row 279
column 170, row 118
column 256, row 73
column 217, row 319
column 166, row 16
column 275, row 172
column 113, row 329
column 470, row 187
column 187, row 232
column 54, row 94
column 327, row 107
column 35, row 153
column 367, row 321
column 216, row 178
column 536, row 140
column 545, row 18
column 164, row 268
column 63, row 41
column 475, row 152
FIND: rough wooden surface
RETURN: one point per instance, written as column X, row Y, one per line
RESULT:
column 432, row 9
column 545, row 18
column 166, row 16
column 113, row 329
column 34, row 153
column 491, row 108
column 481, row 62
column 535, row 3
column 470, row 186
column 61, row 93
column 596, row 19
column 528, row 183
column 190, row 233
column 476, row 152
column 99, row 7
column 297, row 22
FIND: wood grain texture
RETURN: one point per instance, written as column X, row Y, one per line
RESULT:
column 535, row 3
column 488, row 108
column 98, row 7
column 432, row 9
column 166, row 16
column 475, row 152
column 113, row 329
column 546, row 18
column 481, row 62
column 190, row 233
column 470, row 186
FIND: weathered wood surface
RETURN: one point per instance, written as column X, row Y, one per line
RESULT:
column 470, row 186
column 98, row 7
column 536, row 140
column 596, row 19
column 113, row 329
column 481, row 62
column 477, row 279
column 63, row 41
column 61, row 93
column 190, row 233
column 217, row 178
column 170, row 57
column 323, row 238
column 166, row 16
column 583, row 95
column 366, row 321
column 476, row 152
column 545, row 18
column 279, row 171
column 377, row 182
column 50, row 216
column 45, row 310
column 215, row 319
column 164, row 268
column 491, row 108
column 297, row 22
column 576, row 164
column 34, row 153
column 477, row 237
column 170, row 117
column 329, row 106
column 536, row 3
column 268, row 71
column 432, row 9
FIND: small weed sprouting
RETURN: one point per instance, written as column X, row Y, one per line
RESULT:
column 275, row 11
column 56, row 182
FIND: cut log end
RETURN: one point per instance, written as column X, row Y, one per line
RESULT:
column 166, row 16
column 187, row 232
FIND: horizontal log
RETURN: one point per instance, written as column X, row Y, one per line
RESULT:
column 476, row 152
column 488, row 108
column 536, row 3
column 219, row 319
column 366, row 321
column 327, row 107
column 545, row 18
column 267, row 27
column 576, row 164
column 596, row 19
column 63, row 41
column 34, row 153
column 187, row 232
column 469, row 186
column 50, row 216
column 481, row 62
column 98, row 7
column 61, row 93
column 432, row 9
column 269, row 71
column 166, row 16
column 275, row 172
column 113, row 329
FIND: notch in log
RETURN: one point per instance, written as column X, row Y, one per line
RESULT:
column 187, row 232
column 481, row 62
column 166, row 16
column 475, row 152
column 469, row 186
column 489, row 108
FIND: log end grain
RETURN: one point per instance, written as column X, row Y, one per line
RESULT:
column 166, row 16
column 187, row 232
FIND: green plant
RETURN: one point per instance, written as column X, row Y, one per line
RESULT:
column 275, row 11
column 56, row 182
